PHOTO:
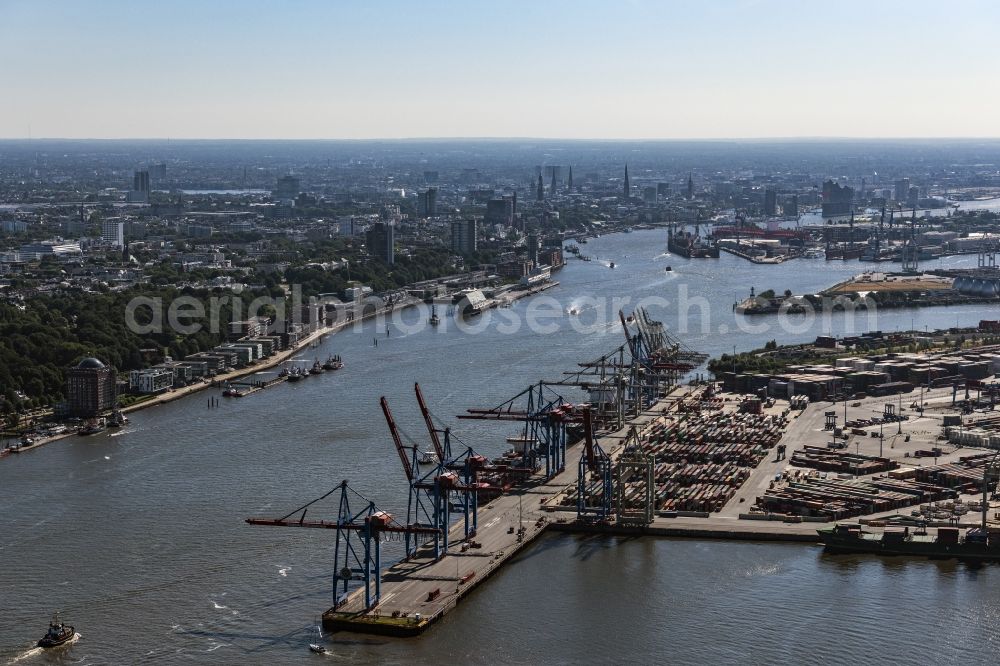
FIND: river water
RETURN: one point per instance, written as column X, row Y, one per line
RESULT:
column 138, row 536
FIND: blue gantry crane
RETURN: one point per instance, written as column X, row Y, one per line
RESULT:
column 544, row 414
column 357, row 553
column 595, row 496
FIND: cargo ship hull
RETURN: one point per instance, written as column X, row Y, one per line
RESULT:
column 872, row 544
column 691, row 249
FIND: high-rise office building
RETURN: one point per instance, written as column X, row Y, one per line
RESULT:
column 427, row 203
column 913, row 197
column 533, row 246
column 901, row 189
column 140, row 188
column 463, row 237
column 500, row 211
column 791, row 206
column 140, row 181
column 113, row 233
column 288, row 187
column 649, row 194
column 380, row 242
column 770, row 202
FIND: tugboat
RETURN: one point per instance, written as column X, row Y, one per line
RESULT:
column 333, row 363
column 230, row 392
column 283, row 373
column 435, row 320
column 58, row 634
column 317, row 368
column 295, row 375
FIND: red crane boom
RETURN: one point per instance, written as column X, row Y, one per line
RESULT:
column 431, row 430
column 394, row 431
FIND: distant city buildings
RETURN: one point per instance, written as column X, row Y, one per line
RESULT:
column 90, row 388
column 463, row 236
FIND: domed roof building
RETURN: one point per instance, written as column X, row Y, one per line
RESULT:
column 90, row 388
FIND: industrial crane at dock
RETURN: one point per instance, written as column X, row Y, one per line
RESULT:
column 357, row 550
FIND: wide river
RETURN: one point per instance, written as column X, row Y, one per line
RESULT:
column 138, row 537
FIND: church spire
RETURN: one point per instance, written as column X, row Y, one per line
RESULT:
column 627, row 188
column 540, row 192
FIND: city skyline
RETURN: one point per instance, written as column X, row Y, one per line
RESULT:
column 643, row 70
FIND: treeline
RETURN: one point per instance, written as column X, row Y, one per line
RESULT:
column 423, row 264
column 42, row 337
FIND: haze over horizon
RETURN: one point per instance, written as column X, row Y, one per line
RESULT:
column 734, row 69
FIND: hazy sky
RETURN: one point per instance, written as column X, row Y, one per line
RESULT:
column 543, row 68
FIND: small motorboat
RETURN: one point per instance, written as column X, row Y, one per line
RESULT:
column 117, row 419
column 295, row 375
column 317, row 647
column 668, row 269
column 333, row 363
column 92, row 427
column 283, row 373
column 317, row 368
column 428, row 458
column 611, row 265
column 58, row 634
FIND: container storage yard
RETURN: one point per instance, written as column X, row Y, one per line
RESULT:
column 647, row 455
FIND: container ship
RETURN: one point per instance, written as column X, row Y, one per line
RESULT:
column 976, row 544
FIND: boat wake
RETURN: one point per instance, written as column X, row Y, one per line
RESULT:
column 35, row 651
column 26, row 655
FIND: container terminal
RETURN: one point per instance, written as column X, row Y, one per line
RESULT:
column 797, row 459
